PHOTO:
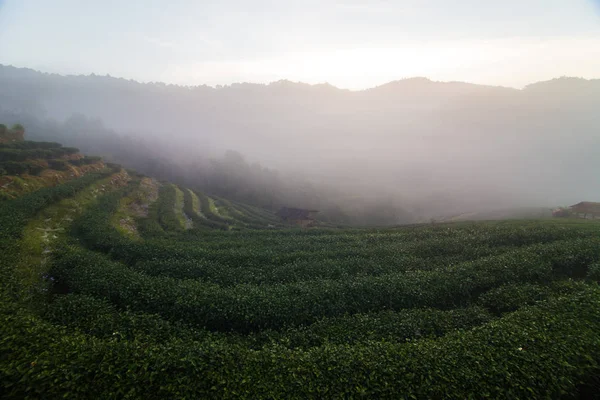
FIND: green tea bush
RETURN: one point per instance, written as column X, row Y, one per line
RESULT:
column 15, row 168
column 59, row 165
column 381, row 326
column 470, row 310
column 253, row 307
column 28, row 144
column 114, row 166
column 17, row 128
column 513, row 296
column 594, row 272
column 86, row 160
column 208, row 213
column 528, row 354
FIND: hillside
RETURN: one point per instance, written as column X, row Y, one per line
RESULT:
column 411, row 149
column 114, row 285
column 27, row 166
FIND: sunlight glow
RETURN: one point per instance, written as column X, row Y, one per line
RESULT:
column 479, row 61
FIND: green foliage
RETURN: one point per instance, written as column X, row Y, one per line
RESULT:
column 199, row 222
column 92, row 159
column 26, row 153
column 59, row 165
column 248, row 307
column 251, row 220
column 537, row 352
column 2, row 129
column 218, row 221
column 382, row 326
column 27, row 144
column 166, row 209
column 99, row 318
column 17, row 128
column 86, row 160
column 150, row 227
column 511, row 297
column 229, row 309
column 14, row 214
column 594, row 272
column 15, row 168
column 114, row 166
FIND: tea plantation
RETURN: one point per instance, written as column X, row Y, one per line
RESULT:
column 116, row 286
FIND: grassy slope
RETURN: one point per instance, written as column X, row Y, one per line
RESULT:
column 535, row 349
column 135, row 205
column 277, row 370
column 184, row 220
column 15, row 186
column 51, row 224
column 195, row 203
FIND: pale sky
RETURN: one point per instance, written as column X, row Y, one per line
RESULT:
column 349, row 44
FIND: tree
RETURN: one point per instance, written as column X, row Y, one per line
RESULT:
column 17, row 128
column 2, row 129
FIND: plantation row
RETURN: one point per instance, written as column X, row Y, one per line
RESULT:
column 24, row 157
column 253, row 307
column 233, row 215
column 102, row 319
column 204, row 213
column 322, row 255
column 544, row 351
column 14, row 214
column 11, row 154
column 228, row 309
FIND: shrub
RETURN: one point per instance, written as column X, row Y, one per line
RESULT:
column 513, row 296
column 508, row 358
column 70, row 150
column 17, row 128
column 486, row 310
column 59, row 165
column 165, row 207
column 28, row 144
column 92, row 159
column 246, row 308
column 77, row 162
column 114, row 166
column 594, row 272
column 35, row 169
column 15, row 168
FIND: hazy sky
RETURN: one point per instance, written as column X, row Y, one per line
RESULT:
column 350, row 44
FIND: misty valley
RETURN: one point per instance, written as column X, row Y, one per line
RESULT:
column 405, row 152
column 193, row 279
column 300, row 200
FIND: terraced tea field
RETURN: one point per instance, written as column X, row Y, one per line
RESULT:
column 115, row 285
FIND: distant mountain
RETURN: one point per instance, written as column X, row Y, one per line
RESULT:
column 436, row 148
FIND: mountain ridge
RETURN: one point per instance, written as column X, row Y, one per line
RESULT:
column 402, row 81
column 430, row 148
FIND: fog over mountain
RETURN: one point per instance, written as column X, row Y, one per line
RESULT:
column 402, row 152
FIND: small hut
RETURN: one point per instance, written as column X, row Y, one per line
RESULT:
column 298, row 216
column 586, row 209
